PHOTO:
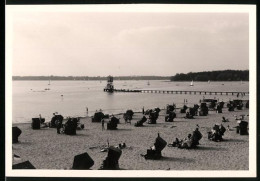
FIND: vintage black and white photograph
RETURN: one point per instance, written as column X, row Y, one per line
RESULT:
column 158, row 88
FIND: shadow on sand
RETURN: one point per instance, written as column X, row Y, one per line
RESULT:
column 210, row 148
column 234, row 140
column 120, row 129
column 183, row 160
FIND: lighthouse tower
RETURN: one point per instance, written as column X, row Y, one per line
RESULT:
column 110, row 86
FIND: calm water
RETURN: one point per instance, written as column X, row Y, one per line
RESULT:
column 31, row 99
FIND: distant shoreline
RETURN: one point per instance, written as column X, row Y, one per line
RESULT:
column 86, row 78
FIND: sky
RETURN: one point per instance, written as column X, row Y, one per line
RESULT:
column 128, row 43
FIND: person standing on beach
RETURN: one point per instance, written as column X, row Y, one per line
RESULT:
column 103, row 124
column 40, row 117
column 59, row 126
column 143, row 109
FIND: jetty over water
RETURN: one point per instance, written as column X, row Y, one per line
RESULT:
column 110, row 88
column 182, row 92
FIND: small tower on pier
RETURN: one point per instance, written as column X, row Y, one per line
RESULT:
column 110, row 86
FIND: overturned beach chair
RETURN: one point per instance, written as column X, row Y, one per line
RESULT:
column 82, row 162
column 140, row 122
column 23, row 165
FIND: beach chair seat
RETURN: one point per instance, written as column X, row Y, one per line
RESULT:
column 98, row 116
column 247, row 104
column 242, row 128
column 140, row 122
column 36, row 123
column 219, row 109
column 70, row 127
column 214, row 136
column 170, row 108
column 239, row 106
column 203, row 113
column 111, row 161
column 221, row 104
column 129, row 114
column 16, row 132
column 153, row 154
column 148, row 111
column 55, row 120
column 168, row 119
column 160, row 143
column 153, row 117
column 157, row 110
column 112, row 124
column 231, row 108
column 114, row 120
column 183, row 110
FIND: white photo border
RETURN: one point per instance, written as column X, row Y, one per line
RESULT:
column 156, row 8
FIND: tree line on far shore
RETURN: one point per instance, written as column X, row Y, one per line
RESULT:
column 224, row 75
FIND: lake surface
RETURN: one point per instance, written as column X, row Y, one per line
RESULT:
column 71, row 98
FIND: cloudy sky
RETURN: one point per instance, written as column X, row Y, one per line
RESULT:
column 114, row 43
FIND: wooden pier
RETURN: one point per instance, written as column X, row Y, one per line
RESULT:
column 183, row 92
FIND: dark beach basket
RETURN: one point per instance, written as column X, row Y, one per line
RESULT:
column 243, row 128
column 16, row 133
column 24, row 165
column 36, row 123
column 82, row 162
column 160, row 144
column 114, row 153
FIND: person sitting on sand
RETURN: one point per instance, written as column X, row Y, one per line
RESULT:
column 175, row 143
column 222, row 129
column 103, row 124
column 216, row 133
column 224, row 119
column 186, row 143
column 59, row 126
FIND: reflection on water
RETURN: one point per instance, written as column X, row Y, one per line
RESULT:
column 71, row 98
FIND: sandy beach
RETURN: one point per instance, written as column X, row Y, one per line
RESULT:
column 46, row 149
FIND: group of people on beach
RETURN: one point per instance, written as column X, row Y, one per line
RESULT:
column 191, row 141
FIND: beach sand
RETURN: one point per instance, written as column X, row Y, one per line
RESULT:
column 46, row 149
